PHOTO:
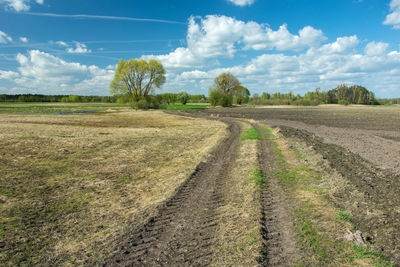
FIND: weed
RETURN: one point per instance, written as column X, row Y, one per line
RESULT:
column 258, row 178
column 345, row 216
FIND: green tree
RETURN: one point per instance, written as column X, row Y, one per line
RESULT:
column 137, row 78
column 227, row 83
column 241, row 95
column 183, row 97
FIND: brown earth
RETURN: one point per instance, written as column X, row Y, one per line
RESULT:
column 182, row 233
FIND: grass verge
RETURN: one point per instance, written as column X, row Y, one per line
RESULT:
column 319, row 226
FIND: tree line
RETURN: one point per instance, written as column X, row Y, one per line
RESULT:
column 341, row 94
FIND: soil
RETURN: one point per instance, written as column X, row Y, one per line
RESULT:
column 182, row 234
column 373, row 133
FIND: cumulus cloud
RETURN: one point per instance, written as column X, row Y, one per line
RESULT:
column 326, row 67
column 4, row 38
column 393, row 18
column 19, row 5
column 23, row 39
column 242, row 2
column 8, row 75
column 221, row 36
column 376, row 48
column 79, row 49
column 49, row 74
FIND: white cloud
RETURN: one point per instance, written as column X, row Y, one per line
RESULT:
column 220, row 36
column 79, row 49
column 326, row 67
column 342, row 45
column 19, row 5
column 4, row 38
column 41, row 72
column 376, row 48
column 61, row 43
column 242, row 2
column 8, row 75
column 394, row 17
column 23, row 39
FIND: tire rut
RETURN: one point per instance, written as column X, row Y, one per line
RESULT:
column 279, row 237
column 182, row 233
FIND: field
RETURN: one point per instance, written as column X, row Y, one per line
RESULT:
column 248, row 186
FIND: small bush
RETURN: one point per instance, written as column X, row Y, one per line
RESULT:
column 344, row 102
column 219, row 98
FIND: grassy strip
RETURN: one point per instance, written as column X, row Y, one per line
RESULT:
column 184, row 107
column 253, row 134
column 238, row 241
column 319, row 226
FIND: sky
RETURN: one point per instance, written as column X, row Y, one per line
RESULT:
column 73, row 46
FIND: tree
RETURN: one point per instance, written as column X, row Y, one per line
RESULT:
column 227, row 83
column 241, row 95
column 183, row 97
column 137, row 78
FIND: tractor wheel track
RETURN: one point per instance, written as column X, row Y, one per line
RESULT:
column 277, row 231
column 182, row 233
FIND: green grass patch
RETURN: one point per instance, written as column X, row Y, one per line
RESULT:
column 258, row 178
column 184, row 107
column 58, row 109
column 250, row 134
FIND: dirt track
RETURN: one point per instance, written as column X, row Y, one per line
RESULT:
column 182, row 232
column 277, row 229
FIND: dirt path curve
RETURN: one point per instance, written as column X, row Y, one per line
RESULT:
column 182, row 233
column 277, row 229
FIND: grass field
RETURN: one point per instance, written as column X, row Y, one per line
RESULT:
column 78, row 108
column 70, row 183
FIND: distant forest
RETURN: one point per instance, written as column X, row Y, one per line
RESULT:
column 342, row 94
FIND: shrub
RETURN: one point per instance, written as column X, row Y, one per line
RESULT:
column 344, row 102
column 219, row 98
column 183, row 97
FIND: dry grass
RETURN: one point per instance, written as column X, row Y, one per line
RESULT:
column 70, row 184
column 238, row 236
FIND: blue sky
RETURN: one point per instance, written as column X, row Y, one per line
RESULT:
column 72, row 47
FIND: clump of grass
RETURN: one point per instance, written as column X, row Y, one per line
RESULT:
column 345, row 216
column 250, row 134
column 258, row 178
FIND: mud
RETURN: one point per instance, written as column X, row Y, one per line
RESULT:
column 182, row 234
column 277, row 231
column 373, row 195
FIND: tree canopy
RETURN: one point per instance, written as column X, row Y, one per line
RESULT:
column 227, row 83
column 137, row 78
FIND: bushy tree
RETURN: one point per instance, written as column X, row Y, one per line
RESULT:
column 241, row 95
column 226, row 88
column 183, row 97
column 227, row 83
column 137, row 78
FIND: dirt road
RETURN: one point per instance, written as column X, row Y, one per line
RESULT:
column 182, row 232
